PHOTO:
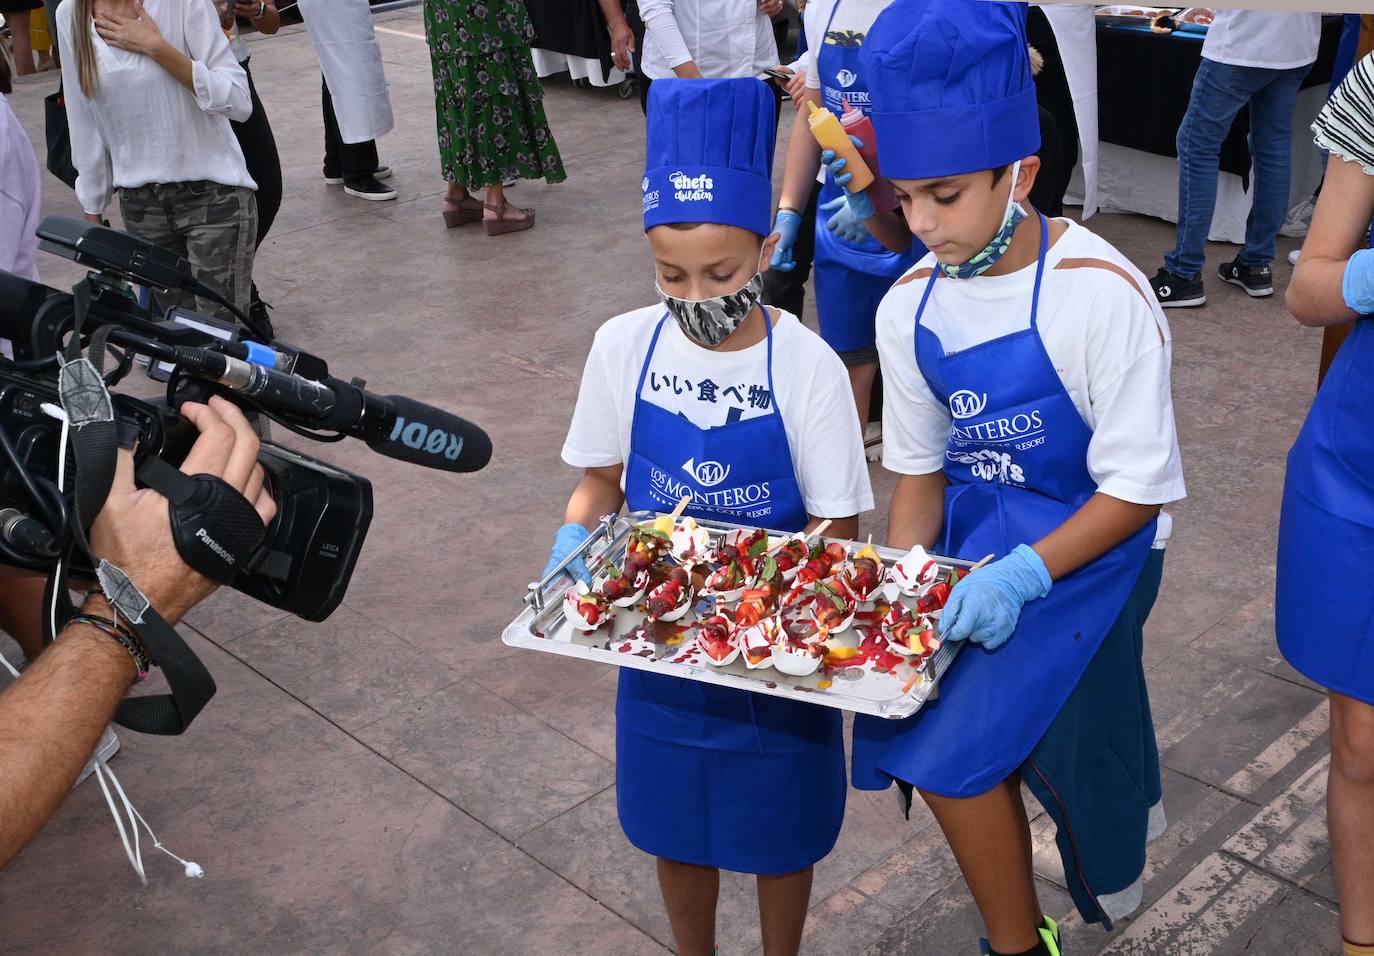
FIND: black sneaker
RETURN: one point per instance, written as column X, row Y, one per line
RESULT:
column 371, row 189
column 1257, row 281
column 335, row 179
column 1174, row 291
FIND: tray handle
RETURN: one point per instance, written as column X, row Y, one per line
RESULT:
column 536, row 592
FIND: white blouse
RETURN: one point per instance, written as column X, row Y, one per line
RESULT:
column 725, row 38
column 142, row 126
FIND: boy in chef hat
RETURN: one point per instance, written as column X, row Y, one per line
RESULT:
column 1028, row 414
column 710, row 394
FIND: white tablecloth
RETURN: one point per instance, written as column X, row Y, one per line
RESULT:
column 547, row 63
column 1130, row 180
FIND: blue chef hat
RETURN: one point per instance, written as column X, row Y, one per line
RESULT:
column 951, row 87
column 709, row 153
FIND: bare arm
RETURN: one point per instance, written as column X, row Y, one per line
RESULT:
column 50, row 721
column 1339, row 224
column 622, row 37
column 52, row 716
column 1094, row 529
column 918, row 511
column 596, row 495
column 270, row 21
column 803, row 158
column 890, row 228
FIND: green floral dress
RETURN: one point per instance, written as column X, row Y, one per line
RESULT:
column 487, row 99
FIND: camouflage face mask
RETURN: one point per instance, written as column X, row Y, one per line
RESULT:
column 709, row 322
column 1000, row 243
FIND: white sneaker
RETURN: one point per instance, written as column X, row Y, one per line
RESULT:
column 107, row 748
column 873, row 441
column 1293, row 257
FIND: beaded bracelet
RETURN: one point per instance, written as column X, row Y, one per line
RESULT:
column 125, row 638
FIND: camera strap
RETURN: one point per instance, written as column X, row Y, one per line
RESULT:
column 94, row 439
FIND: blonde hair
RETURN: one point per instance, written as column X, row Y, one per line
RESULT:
column 84, row 46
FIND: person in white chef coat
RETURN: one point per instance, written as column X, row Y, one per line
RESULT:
column 357, row 106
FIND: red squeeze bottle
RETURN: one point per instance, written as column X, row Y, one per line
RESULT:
column 880, row 192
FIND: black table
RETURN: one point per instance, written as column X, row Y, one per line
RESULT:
column 1144, row 80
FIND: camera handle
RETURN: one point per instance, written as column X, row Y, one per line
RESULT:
column 90, row 427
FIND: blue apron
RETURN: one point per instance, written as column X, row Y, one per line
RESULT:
column 1016, row 462
column 711, row 775
column 850, row 279
column 1324, row 605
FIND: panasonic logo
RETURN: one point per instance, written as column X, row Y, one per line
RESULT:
column 214, row 546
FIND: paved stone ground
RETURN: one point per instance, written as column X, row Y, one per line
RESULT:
column 396, row 780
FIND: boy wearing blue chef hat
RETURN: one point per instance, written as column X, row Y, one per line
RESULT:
column 709, row 394
column 1028, row 414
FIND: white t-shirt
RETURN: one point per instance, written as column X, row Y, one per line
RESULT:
column 20, row 197
column 1274, row 41
column 143, row 126
column 711, row 389
column 1102, row 328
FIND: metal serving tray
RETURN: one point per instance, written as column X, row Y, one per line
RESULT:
column 862, row 689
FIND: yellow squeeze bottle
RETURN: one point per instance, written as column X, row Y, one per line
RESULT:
column 831, row 135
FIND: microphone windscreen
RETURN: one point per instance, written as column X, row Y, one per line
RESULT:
column 424, row 435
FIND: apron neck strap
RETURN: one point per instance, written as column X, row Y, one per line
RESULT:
column 831, row 20
column 1039, row 268
column 658, row 330
column 648, row 356
column 1039, row 275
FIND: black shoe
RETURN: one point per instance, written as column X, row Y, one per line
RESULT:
column 370, row 189
column 1257, row 281
column 1174, row 291
column 336, row 179
column 257, row 311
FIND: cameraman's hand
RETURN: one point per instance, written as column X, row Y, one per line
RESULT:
column 133, row 531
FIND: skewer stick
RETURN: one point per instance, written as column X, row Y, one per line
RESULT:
column 906, row 688
column 682, row 506
column 986, row 560
column 806, row 538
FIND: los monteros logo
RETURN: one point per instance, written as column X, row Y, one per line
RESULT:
column 708, row 474
column 966, row 404
column 650, row 196
column 692, row 188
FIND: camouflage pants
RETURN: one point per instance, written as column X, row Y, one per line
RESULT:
column 212, row 226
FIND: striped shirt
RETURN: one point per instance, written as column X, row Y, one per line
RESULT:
column 1345, row 126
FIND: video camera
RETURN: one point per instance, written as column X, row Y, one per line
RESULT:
column 59, row 428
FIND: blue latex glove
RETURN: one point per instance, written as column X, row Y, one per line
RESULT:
column 786, row 225
column 843, row 222
column 985, row 606
column 859, row 202
column 1357, row 287
column 568, row 540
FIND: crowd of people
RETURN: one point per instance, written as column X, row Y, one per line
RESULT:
column 1010, row 366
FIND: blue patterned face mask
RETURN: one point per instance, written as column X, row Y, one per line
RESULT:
column 1001, row 242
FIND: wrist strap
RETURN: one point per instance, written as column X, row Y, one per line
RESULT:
column 125, row 638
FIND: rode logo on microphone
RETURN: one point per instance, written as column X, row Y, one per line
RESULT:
column 433, row 441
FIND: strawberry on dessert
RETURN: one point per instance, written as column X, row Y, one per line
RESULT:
column 716, row 638
column 671, row 599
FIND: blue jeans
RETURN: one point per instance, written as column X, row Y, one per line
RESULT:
column 1219, row 93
